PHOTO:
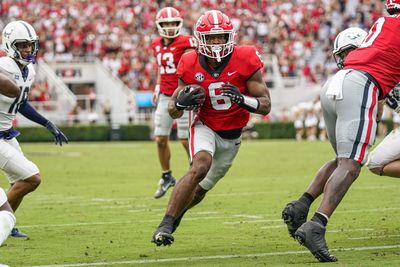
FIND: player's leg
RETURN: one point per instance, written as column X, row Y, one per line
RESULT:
column 163, row 124
column 22, row 174
column 202, row 150
column 355, row 133
column 295, row 213
column 184, row 123
column 385, row 158
column 226, row 151
column 199, row 195
column 7, row 218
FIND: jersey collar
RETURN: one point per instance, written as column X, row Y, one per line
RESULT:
column 215, row 73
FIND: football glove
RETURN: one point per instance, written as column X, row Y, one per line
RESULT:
column 233, row 93
column 246, row 102
column 190, row 98
column 59, row 137
column 392, row 99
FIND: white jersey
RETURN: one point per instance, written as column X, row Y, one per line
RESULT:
column 8, row 105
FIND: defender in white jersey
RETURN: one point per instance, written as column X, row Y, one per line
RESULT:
column 21, row 45
column 7, row 219
column 384, row 160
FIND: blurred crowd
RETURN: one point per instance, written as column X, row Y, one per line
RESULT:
column 119, row 32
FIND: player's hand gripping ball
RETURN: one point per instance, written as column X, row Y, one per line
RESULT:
column 191, row 97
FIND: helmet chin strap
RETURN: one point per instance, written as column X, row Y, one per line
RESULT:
column 216, row 49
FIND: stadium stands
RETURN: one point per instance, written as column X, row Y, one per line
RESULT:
column 297, row 33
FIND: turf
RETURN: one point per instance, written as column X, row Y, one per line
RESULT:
column 95, row 208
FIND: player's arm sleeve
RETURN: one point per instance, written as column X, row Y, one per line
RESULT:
column 30, row 113
column 255, row 62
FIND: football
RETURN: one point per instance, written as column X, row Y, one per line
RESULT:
column 198, row 94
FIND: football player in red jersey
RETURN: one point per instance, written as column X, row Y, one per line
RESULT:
column 350, row 110
column 233, row 87
column 168, row 49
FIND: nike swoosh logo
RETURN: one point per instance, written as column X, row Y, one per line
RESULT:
column 231, row 73
column 172, row 48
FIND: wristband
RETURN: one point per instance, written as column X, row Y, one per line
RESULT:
column 250, row 103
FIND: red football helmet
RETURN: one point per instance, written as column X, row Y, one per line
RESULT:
column 169, row 14
column 211, row 23
column 393, row 6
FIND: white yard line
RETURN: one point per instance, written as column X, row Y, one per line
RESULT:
column 191, row 259
column 351, row 230
column 253, row 221
column 372, row 237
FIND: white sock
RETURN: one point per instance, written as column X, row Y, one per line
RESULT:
column 7, row 223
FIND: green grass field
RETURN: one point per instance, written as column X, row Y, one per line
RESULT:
column 95, row 208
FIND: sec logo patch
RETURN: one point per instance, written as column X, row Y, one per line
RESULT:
column 199, row 77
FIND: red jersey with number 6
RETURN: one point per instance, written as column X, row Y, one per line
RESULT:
column 379, row 54
column 218, row 112
column 168, row 58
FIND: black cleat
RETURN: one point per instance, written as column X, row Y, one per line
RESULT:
column 294, row 215
column 312, row 235
column 17, row 233
column 162, row 236
column 163, row 185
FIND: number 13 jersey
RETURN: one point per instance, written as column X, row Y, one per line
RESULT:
column 168, row 58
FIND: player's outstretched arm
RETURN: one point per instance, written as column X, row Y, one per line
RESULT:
column 30, row 113
column 259, row 99
column 8, row 87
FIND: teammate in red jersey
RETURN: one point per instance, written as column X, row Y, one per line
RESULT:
column 168, row 49
column 350, row 110
column 233, row 87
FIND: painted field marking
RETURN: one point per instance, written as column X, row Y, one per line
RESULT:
column 372, row 237
column 191, row 259
column 252, row 221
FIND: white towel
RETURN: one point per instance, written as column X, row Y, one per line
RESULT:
column 335, row 89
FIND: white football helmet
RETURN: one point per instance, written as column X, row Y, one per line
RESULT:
column 351, row 38
column 18, row 32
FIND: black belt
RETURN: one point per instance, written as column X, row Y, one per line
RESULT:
column 230, row 134
column 372, row 79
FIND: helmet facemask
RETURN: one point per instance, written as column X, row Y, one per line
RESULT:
column 30, row 58
column 164, row 31
column 216, row 51
column 340, row 55
column 393, row 6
